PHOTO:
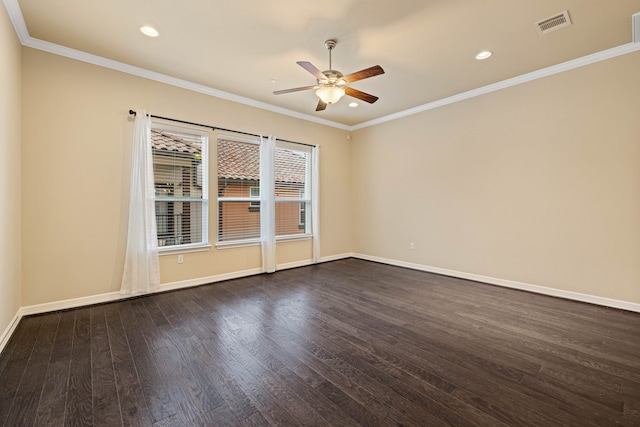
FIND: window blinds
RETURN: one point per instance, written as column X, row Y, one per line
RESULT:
column 239, row 195
column 238, row 169
column 292, row 188
column 180, row 187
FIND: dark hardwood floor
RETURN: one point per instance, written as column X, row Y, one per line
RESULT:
column 344, row 343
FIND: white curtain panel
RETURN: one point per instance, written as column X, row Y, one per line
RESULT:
column 315, row 202
column 267, row 203
column 141, row 265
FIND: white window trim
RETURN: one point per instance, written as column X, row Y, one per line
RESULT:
column 233, row 243
column 307, row 235
column 238, row 243
column 307, row 201
column 257, row 242
column 180, row 249
column 204, row 245
column 287, row 237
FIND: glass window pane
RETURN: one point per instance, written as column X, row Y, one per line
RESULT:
column 238, row 221
column 290, row 173
column 178, row 223
column 288, row 219
column 238, row 177
column 177, row 164
column 178, row 175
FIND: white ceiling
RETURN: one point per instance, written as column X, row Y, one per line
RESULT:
column 426, row 47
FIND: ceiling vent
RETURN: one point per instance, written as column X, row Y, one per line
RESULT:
column 553, row 23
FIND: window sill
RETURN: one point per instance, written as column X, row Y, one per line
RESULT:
column 294, row 237
column 255, row 242
column 172, row 250
column 237, row 243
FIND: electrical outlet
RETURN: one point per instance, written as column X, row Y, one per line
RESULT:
column 180, row 259
column 412, row 246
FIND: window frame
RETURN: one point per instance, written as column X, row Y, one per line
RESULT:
column 251, row 200
column 303, row 200
column 200, row 173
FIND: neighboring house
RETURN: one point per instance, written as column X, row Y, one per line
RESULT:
column 177, row 174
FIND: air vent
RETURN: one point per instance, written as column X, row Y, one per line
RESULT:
column 553, row 23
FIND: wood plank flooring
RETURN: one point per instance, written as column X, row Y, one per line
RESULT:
column 344, row 343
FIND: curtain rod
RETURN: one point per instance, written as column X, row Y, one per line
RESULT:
column 217, row 128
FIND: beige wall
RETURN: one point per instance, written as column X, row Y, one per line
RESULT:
column 76, row 146
column 538, row 183
column 10, row 112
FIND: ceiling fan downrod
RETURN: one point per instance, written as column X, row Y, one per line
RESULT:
column 330, row 44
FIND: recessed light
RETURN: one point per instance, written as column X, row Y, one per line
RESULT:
column 353, row 104
column 273, row 81
column 149, row 31
column 483, row 55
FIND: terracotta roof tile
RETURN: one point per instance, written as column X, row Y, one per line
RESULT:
column 242, row 161
column 290, row 166
column 237, row 160
column 170, row 142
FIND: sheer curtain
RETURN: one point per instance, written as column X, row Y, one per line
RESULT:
column 141, row 264
column 267, row 203
column 315, row 202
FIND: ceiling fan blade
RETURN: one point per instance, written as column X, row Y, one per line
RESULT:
column 295, row 89
column 312, row 69
column 321, row 105
column 360, row 95
column 363, row 74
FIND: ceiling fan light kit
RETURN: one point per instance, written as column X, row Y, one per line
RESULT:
column 332, row 84
column 330, row 94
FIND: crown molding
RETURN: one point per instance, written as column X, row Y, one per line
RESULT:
column 170, row 80
column 15, row 15
column 524, row 78
column 20, row 27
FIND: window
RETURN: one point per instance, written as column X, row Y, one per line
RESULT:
column 292, row 188
column 238, row 189
column 180, row 176
column 239, row 198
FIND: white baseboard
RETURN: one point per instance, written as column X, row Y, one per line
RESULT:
column 206, row 280
column 575, row 296
column 4, row 338
column 115, row 296
column 306, row 262
column 71, row 303
column 336, row 257
column 294, row 264
column 111, row 297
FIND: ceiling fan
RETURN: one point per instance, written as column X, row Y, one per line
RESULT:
column 332, row 84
